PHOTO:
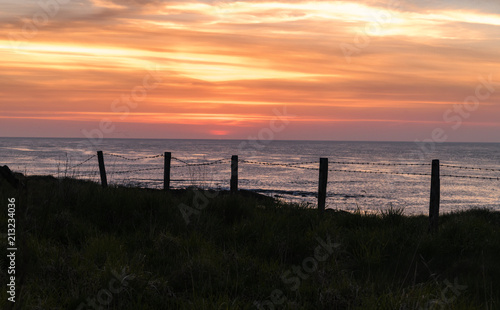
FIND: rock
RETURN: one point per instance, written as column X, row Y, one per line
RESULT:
column 10, row 177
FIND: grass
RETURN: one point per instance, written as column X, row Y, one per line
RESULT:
column 130, row 248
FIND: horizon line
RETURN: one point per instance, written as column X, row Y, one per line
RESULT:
column 223, row 139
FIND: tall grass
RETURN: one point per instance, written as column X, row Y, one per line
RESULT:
column 73, row 236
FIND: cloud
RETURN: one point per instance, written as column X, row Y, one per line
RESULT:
column 243, row 58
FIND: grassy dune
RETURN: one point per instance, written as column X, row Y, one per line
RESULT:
column 84, row 247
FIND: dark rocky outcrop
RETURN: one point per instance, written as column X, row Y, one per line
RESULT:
column 10, row 177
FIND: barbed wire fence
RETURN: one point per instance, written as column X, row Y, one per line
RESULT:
column 143, row 171
column 301, row 166
column 150, row 171
column 127, row 171
column 196, row 173
column 86, row 169
column 147, row 171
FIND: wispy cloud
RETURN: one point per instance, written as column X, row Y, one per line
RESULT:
column 238, row 59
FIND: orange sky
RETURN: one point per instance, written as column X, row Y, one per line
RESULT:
column 221, row 69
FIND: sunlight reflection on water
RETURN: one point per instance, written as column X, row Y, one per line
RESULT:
column 346, row 190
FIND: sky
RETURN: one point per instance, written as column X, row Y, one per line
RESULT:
column 397, row 70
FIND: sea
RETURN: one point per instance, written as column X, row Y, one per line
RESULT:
column 369, row 177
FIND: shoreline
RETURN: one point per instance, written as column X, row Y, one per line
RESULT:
column 241, row 192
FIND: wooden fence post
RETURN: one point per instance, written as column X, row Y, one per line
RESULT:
column 323, row 180
column 435, row 197
column 166, row 172
column 234, row 174
column 102, row 169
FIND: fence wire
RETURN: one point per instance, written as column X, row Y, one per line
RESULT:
column 83, row 162
column 470, row 177
column 469, row 168
column 380, row 172
column 186, row 164
column 137, row 170
column 208, row 163
column 335, row 162
column 376, row 164
column 299, row 165
column 277, row 164
column 133, row 159
column 178, row 159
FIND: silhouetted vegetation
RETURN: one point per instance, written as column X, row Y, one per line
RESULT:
column 130, row 248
